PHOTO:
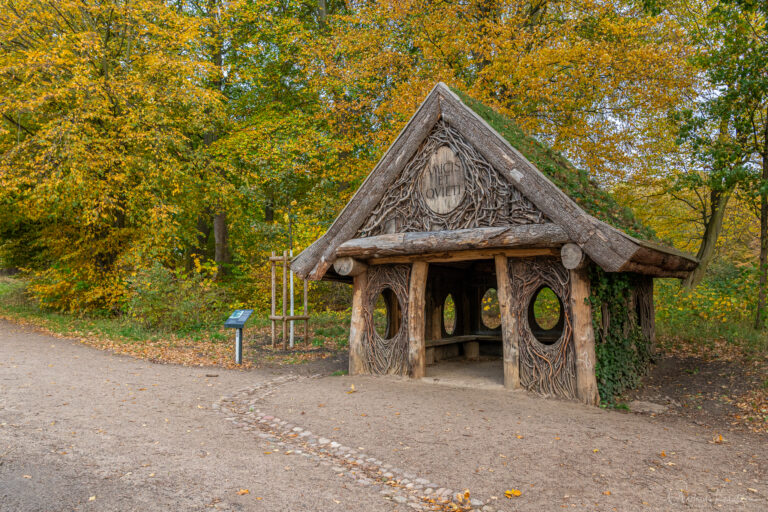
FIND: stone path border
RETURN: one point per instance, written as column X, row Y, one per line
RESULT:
column 395, row 484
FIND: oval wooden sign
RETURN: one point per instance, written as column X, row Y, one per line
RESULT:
column 442, row 181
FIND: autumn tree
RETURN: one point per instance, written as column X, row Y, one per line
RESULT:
column 590, row 78
column 103, row 105
column 726, row 128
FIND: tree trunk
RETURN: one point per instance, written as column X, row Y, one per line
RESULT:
column 269, row 211
column 763, row 269
column 719, row 201
column 322, row 13
column 221, row 237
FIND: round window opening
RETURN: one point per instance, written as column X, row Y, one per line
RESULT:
column 545, row 316
column 449, row 315
column 490, row 313
column 386, row 314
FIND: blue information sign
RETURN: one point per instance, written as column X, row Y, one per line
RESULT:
column 237, row 319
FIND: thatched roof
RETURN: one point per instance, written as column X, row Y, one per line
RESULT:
column 589, row 216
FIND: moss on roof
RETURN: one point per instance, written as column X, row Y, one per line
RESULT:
column 576, row 183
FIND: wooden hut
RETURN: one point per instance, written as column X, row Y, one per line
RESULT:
column 454, row 208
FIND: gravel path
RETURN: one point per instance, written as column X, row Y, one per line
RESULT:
column 558, row 454
column 82, row 429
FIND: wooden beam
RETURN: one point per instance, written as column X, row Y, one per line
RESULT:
column 399, row 244
column 572, row 256
column 347, row 266
column 583, row 337
column 416, row 320
column 483, row 254
column 509, row 331
column 357, row 325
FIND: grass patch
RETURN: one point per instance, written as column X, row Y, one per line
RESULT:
column 711, row 339
column 206, row 345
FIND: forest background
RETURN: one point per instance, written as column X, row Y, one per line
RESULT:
column 153, row 153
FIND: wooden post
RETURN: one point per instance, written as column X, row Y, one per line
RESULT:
column 285, row 299
column 357, row 325
column 306, row 313
column 583, row 337
column 508, row 325
column 416, row 320
column 435, row 324
column 471, row 350
column 274, row 285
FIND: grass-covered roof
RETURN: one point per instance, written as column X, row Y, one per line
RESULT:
column 575, row 182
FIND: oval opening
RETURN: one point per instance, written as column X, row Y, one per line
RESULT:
column 546, row 309
column 490, row 313
column 545, row 316
column 449, row 315
column 386, row 314
column 381, row 316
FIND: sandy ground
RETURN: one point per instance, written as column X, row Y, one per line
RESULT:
column 559, row 454
column 82, row 429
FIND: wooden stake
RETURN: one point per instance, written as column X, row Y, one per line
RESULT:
column 508, row 325
column 285, row 299
column 416, row 320
column 306, row 313
column 274, row 275
column 583, row 337
column 357, row 325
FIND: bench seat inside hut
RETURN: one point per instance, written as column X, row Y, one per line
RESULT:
column 454, row 209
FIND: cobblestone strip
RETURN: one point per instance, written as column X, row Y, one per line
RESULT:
column 395, row 484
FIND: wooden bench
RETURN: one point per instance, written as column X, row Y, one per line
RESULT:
column 470, row 342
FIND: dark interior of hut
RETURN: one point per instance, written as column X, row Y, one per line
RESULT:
column 463, row 322
column 463, row 337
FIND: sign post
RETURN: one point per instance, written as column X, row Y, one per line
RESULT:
column 237, row 321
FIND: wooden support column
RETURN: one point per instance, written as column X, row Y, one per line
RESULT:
column 583, row 337
column 416, row 320
column 357, row 325
column 509, row 330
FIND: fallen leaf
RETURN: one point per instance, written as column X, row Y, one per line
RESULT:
column 519, row 437
column 663, row 453
column 27, row 476
column 351, row 389
column 607, row 493
column 596, row 450
column 243, row 491
column 92, row 498
column 512, row 493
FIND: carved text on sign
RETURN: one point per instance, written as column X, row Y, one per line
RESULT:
column 442, row 181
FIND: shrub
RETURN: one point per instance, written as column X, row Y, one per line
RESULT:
column 173, row 300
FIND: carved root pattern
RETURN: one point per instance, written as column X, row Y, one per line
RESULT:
column 546, row 369
column 382, row 356
column 490, row 199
